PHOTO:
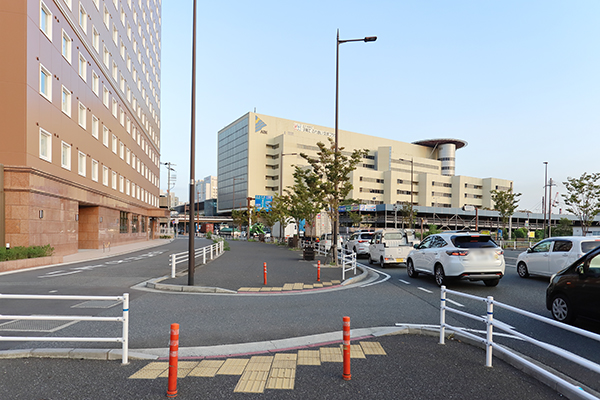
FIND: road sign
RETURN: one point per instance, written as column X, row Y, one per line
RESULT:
column 263, row 202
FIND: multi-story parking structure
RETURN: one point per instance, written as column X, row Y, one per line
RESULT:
column 80, row 106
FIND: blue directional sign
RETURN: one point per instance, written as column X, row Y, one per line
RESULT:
column 262, row 202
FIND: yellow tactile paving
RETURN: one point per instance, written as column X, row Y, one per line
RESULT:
column 307, row 287
column 355, row 351
column 276, row 289
column 183, row 369
column 372, row 349
column 254, row 289
column 233, row 366
column 331, row 354
column 317, row 285
column 298, row 286
column 252, row 382
column 336, row 282
column 259, row 363
column 281, row 378
column 265, row 289
column 284, row 360
column 244, row 289
column 151, row 371
column 326, row 283
column 207, row 368
column 309, row 357
column 288, row 286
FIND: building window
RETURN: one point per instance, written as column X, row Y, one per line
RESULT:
column 105, row 136
column 115, row 34
column 121, row 116
column 65, row 156
column 95, row 84
column 82, row 67
column 114, row 144
column 106, row 17
column 95, row 126
column 45, row 83
column 45, row 145
column 69, row 4
column 105, row 175
column 94, row 170
column 132, row 189
column 128, row 125
column 114, row 180
column 96, row 3
column 115, row 71
column 121, row 184
column 67, row 45
column 83, row 18
column 66, row 101
column 81, row 165
column 95, row 39
column 122, row 50
column 114, row 108
column 123, row 222
column 127, row 187
column 128, row 156
column 82, row 116
column 105, row 56
column 134, row 224
column 105, row 96
column 45, row 20
column 122, row 150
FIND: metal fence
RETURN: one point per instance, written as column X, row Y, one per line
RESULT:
column 214, row 250
column 489, row 343
column 124, row 339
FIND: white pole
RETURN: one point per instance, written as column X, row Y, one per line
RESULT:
column 125, row 357
column 443, row 316
column 490, row 331
column 172, row 265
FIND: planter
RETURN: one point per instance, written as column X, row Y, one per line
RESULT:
column 14, row 265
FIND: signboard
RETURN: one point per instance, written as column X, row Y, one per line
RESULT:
column 531, row 234
column 262, row 202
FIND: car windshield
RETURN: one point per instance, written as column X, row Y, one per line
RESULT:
column 367, row 236
column 473, row 242
column 394, row 236
column 588, row 246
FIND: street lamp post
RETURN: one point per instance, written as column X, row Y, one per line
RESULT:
column 281, row 183
column 545, row 196
column 191, row 253
column 337, row 93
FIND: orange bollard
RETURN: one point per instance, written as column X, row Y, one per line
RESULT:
column 346, row 336
column 173, row 357
column 265, row 272
column 319, row 271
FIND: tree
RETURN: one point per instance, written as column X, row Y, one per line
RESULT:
column 564, row 228
column 277, row 213
column 332, row 170
column 583, row 198
column 355, row 217
column 407, row 213
column 505, row 202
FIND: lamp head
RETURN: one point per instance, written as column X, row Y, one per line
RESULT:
column 370, row 38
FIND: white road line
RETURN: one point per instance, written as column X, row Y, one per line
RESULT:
column 456, row 303
column 379, row 272
column 63, row 274
column 425, row 290
column 405, row 282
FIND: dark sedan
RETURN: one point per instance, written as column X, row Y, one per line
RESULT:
column 575, row 291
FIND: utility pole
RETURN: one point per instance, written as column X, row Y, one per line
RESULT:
column 170, row 168
column 545, row 196
column 249, row 216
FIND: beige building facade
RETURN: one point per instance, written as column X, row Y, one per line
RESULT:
column 80, row 106
column 257, row 155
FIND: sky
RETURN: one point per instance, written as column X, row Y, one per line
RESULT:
column 518, row 80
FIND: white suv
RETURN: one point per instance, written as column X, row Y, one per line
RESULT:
column 458, row 255
column 359, row 242
column 553, row 254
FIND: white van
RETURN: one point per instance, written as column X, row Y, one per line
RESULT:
column 391, row 246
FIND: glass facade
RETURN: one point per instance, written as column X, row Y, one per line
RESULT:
column 233, row 165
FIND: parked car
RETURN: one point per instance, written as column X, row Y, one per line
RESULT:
column 390, row 246
column 554, row 254
column 575, row 291
column 326, row 239
column 457, row 255
column 358, row 242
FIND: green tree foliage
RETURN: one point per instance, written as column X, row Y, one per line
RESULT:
column 564, row 228
column 520, row 233
column 407, row 214
column 355, row 217
column 277, row 213
column 505, row 202
column 583, row 198
column 332, row 169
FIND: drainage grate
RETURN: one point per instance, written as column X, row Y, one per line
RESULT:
column 34, row 326
column 96, row 304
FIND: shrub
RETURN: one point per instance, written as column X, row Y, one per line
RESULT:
column 20, row 252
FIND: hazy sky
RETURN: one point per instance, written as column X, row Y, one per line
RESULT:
column 518, row 80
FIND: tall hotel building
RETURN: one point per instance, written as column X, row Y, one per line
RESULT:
column 80, row 112
column 257, row 155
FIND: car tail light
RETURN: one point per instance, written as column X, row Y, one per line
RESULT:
column 457, row 252
column 499, row 252
column 363, row 241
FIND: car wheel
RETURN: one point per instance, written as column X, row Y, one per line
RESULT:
column 440, row 276
column 562, row 310
column 381, row 263
column 491, row 282
column 522, row 270
column 410, row 269
column 354, row 250
column 370, row 259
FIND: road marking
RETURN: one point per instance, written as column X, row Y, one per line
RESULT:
column 405, row 282
column 55, row 274
column 378, row 272
column 425, row 290
column 454, row 302
column 53, row 291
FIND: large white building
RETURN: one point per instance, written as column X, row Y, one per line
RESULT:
column 207, row 188
column 257, row 155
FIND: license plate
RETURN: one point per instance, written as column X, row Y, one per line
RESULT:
column 399, row 259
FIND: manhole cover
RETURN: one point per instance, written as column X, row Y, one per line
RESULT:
column 34, row 326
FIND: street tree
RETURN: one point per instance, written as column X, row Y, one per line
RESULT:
column 505, row 202
column 332, row 170
column 583, row 198
column 407, row 213
column 277, row 213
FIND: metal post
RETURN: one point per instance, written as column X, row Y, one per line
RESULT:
column 191, row 253
column 443, row 316
column 172, row 265
column 204, row 255
column 125, row 357
column 545, row 196
column 490, row 331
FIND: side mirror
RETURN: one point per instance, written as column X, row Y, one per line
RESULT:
column 530, row 250
column 580, row 269
column 416, row 245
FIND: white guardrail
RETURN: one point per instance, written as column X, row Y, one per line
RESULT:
column 346, row 258
column 124, row 339
column 488, row 341
column 213, row 250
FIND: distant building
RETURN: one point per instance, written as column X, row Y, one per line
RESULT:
column 207, row 188
column 80, row 108
column 257, row 154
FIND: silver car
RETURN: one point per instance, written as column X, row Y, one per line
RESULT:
column 359, row 242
